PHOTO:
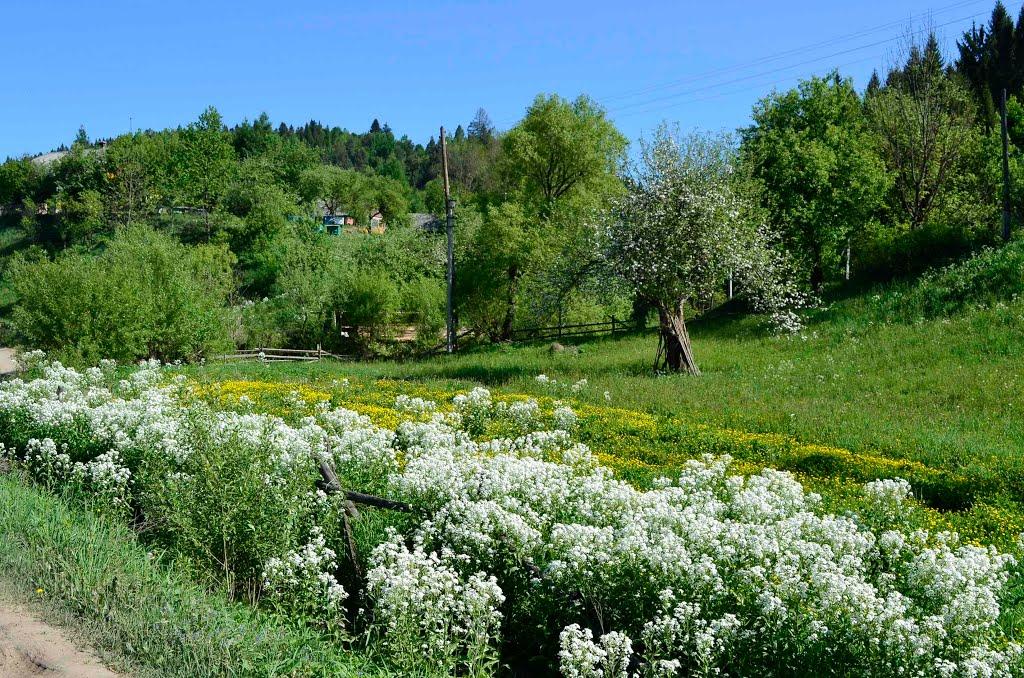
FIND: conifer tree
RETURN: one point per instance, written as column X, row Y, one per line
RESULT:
column 874, row 84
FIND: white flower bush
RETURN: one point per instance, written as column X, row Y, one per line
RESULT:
column 581, row 657
column 303, row 580
column 431, row 615
column 705, row 574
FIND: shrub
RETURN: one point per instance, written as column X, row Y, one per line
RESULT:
column 145, row 296
column 992, row 275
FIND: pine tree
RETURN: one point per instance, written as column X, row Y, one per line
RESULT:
column 1000, row 51
column 374, row 126
column 481, row 128
column 1018, row 54
column 874, row 84
column 973, row 66
column 932, row 61
column 460, row 133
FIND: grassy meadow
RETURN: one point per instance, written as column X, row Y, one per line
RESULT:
column 937, row 401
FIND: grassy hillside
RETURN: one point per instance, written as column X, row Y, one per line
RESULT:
column 943, row 391
column 920, row 380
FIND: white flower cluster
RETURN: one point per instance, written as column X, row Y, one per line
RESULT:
column 556, row 386
column 407, row 405
column 303, row 580
column 50, row 464
column 887, row 497
column 711, row 568
column 581, row 657
column 430, row 614
column 475, row 410
column 105, row 479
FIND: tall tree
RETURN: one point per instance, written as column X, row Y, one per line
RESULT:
column 559, row 148
column 205, row 160
column 810, row 149
column 924, row 122
column 481, row 128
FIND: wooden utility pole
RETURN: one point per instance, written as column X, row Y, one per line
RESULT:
column 1006, row 170
column 449, row 210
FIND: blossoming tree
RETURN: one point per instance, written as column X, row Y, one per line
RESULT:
column 683, row 228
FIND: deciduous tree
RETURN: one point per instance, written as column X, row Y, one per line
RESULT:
column 682, row 228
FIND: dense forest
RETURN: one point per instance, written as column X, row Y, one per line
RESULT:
column 180, row 243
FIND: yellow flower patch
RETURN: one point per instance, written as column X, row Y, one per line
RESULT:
column 639, row 447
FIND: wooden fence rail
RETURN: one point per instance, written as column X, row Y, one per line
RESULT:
column 564, row 331
column 281, row 354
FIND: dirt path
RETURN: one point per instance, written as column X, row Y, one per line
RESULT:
column 30, row 647
column 7, row 362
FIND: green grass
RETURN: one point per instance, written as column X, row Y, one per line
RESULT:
column 148, row 617
column 943, row 392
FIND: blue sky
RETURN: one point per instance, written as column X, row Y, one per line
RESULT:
column 417, row 65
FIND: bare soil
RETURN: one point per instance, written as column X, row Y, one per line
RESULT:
column 30, row 647
column 7, row 361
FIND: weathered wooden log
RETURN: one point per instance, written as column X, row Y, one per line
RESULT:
column 330, row 484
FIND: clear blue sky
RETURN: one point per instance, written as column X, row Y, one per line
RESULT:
column 417, row 65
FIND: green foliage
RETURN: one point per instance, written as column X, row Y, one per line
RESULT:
column 561, row 148
column 423, row 302
column 811, row 151
column 304, row 287
column 366, row 299
column 989, row 277
column 924, row 125
column 203, row 161
column 145, row 296
column 18, row 180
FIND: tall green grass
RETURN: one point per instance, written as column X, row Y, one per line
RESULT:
column 93, row 574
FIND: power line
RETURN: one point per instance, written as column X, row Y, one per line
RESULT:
column 741, row 90
column 670, row 97
column 781, row 55
column 775, row 57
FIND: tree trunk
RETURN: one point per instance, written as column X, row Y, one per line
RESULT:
column 510, row 308
column 675, row 354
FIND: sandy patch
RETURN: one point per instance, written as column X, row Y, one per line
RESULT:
column 30, row 647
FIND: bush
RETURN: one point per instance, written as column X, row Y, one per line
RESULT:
column 369, row 299
column 145, row 296
column 992, row 275
column 423, row 299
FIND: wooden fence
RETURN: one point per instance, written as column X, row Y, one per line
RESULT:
column 565, row 331
column 281, row 354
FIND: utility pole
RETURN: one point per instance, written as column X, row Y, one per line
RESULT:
column 449, row 210
column 1006, row 171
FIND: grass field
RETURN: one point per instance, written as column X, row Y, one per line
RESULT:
column 939, row 396
column 945, row 392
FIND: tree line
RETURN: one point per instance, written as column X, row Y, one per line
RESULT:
column 556, row 221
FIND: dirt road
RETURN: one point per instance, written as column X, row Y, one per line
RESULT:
column 30, row 647
column 7, row 363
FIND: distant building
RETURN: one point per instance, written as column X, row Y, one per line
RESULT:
column 377, row 224
column 334, row 223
